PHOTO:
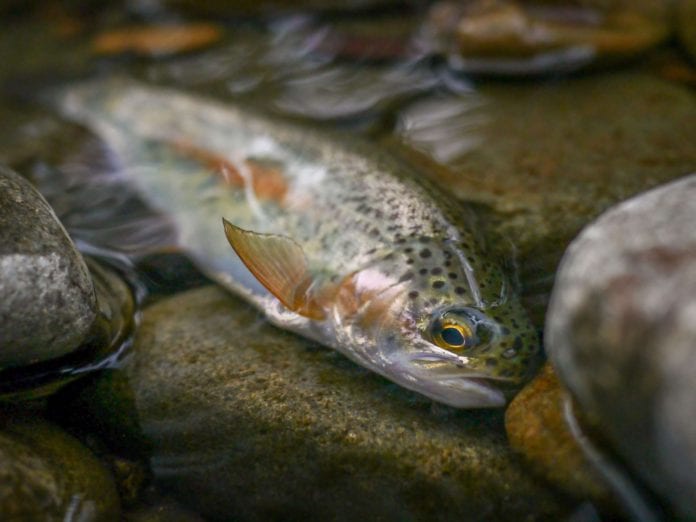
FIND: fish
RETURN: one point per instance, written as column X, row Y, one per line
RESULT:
column 328, row 235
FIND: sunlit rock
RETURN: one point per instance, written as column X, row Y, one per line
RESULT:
column 537, row 428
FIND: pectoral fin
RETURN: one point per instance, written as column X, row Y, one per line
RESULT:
column 280, row 265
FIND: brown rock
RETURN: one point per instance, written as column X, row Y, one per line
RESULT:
column 45, row 474
column 537, row 429
column 248, row 422
column 157, row 40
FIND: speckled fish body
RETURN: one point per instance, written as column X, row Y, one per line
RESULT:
column 394, row 276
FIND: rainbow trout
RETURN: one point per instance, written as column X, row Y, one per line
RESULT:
column 330, row 238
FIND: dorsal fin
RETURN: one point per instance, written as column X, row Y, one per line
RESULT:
column 280, row 265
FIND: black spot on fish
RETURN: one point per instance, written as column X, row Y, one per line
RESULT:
column 413, row 294
column 423, row 271
column 408, row 250
column 460, row 290
column 409, row 261
column 436, row 271
column 425, row 253
column 452, row 275
column 438, row 284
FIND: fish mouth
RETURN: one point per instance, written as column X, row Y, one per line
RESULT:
column 447, row 378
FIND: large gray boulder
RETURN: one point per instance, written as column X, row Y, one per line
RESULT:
column 47, row 301
column 621, row 331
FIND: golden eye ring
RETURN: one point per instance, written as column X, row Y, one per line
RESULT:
column 453, row 336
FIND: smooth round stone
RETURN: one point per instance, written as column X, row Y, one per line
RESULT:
column 540, row 160
column 47, row 300
column 248, row 422
column 621, row 330
column 45, row 474
column 108, row 342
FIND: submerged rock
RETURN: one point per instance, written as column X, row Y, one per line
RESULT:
column 518, row 38
column 543, row 159
column 621, row 330
column 45, row 474
column 248, row 422
column 47, row 300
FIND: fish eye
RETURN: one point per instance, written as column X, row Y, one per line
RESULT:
column 453, row 336
column 459, row 328
column 451, row 333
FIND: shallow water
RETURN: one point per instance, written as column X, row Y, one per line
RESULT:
column 536, row 156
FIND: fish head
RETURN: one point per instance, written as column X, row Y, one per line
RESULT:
column 463, row 355
column 453, row 346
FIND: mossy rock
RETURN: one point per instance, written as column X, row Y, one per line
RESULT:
column 247, row 422
column 45, row 474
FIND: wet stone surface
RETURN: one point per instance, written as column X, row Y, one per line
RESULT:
column 246, row 421
column 537, row 428
column 621, row 318
column 47, row 300
column 45, row 474
column 540, row 160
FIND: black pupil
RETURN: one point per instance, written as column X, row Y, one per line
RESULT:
column 452, row 336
